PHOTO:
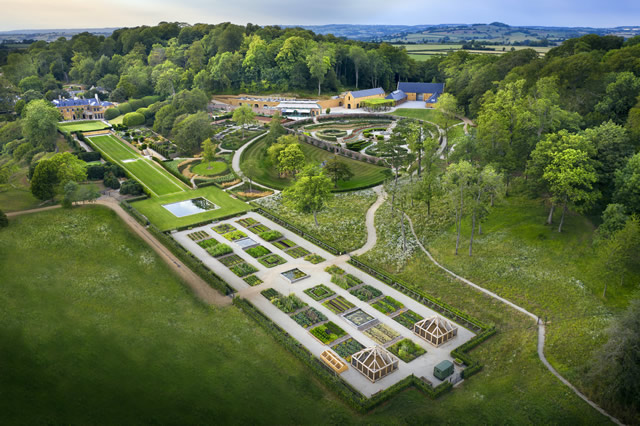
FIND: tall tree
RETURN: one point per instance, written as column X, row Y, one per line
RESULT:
column 191, row 131
column 337, row 170
column 310, row 192
column 628, row 185
column 291, row 160
column 40, row 124
column 359, row 58
column 571, row 176
column 485, row 187
column 208, row 152
column 244, row 116
column 319, row 62
column 458, row 178
column 448, row 112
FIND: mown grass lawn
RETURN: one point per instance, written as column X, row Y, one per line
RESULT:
column 421, row 114
column 96, row 329
column 12, row 200
column 208, row 169
column 81, row 126
column 150, row 175
column 365, row 174
column 153, row 208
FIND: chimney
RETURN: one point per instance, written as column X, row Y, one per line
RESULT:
column 97, row 98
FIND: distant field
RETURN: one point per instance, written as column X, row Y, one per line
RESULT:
column 150, row 175
column 83, row 126
column 153, row 208
column 365, row 174
column 422, row 52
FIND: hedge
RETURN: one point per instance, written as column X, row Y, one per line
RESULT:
column 186, row 257
column 145, row 111
column 89, row 156
column 180, row 176
column 133, row 119
column 148, row 100
column 125, row 108
column 112, row 113
column 136, row 104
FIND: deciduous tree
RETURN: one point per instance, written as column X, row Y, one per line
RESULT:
column 244, row 116
column 337, row 170
column 310, row 192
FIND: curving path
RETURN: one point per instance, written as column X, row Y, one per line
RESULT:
column 372, row 237
column 540, row 324
column 235, row 162
column 200, row 288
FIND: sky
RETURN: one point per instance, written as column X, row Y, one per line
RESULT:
column 41, row 14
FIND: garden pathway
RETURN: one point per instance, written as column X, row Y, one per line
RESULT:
column 235, row 162
column 372, row 237
column 539, row 323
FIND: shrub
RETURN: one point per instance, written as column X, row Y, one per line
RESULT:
column 4, row 221
column 131, row 187
column 111, row 181
column 148, row 100
column 125, row 108
column 144, row 111
column 133, row 119
column 136, row 104
column 89, row 156
column 328, row 111
column 95, row 172
column 112, row 113
column 270, row 235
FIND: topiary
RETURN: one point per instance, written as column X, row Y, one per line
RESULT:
column 133, row 119
column 112, row 113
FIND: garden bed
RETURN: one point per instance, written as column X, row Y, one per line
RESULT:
column 319, row 292
column 366, row 293
column 199, row 235
column 235, row 235
column 387, row 305
column 314, row 258
column 338, row 305
column 247, row 222
column 347, row 348
column 271, row 260
column 408, row 319
column 328, row 332
column 284, row 244
column 270, row 235
column 286, row 304
column 406, row 349
column 297, row 252
column 381, row 334
column 243, row 269
column 252, row 280
column 258, row 251
column 294, row 275
column 223, row 228
column 308, row 317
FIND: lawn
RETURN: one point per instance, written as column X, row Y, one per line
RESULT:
column 208, row 169
column 96, row 329
column 152, row 207
column 422, row 114
column 150, row 175
column 12, row 200
column 341, row 224
column 81, row 126
column 365, row 174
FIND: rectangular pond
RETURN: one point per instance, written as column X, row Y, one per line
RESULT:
column 294, row 275
column 246, row 242
column 189, row 207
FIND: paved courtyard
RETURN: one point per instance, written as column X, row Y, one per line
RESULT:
column 272, row 278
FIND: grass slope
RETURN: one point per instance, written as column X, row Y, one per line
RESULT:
column 96, row 329
column 365, row 174
column 82, row 126
column 153, row 177
column 163, row 219
column 422, row 114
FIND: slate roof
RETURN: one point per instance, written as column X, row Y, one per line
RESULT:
column 413, row 87
column 397, row 95
column 367, row 92
column 434, row 98
column 77, row 102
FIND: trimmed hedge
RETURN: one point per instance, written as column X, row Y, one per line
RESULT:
column 133, row 119
column 89, row 156
column 112, row 113
column 180, row 176
column 125, row 108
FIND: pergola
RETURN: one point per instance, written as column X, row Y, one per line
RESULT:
column 435, row 330
column 374, row 363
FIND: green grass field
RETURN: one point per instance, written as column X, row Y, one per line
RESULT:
column 82, row 126
column 206, row 169
column 153, row 208
column 421, row 114
column 96, row 329
column 150, row 175
column 365, row 174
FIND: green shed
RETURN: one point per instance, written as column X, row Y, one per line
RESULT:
column 443, row 370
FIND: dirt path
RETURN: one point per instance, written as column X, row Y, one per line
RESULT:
column 195, row 283
column 372, row 237
column 540, row 324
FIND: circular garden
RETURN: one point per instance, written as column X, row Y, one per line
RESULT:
column 209, row 169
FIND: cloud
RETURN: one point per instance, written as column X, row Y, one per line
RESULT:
column 21, row 14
